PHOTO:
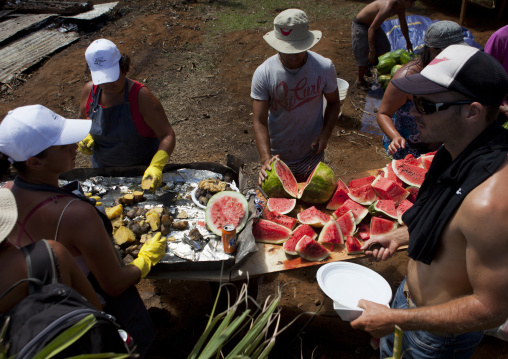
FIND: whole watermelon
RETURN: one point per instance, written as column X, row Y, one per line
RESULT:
column 394, row 70
column 383, row 80
column 406, row 57
column 320, row 185
column 397, row 54
column 385, row 66
column 385, row 56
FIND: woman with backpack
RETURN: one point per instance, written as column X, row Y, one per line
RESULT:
column 41, row 145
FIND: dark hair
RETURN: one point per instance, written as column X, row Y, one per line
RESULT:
column 19, row 166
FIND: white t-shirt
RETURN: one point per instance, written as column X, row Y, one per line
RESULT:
column 295, row 115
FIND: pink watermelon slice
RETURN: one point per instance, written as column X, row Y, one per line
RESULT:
column 363, row 194
column 401, row 208
column 281, row 205
column 331, row 233
column 286, row 221
column 313, row 217
column 364, row 231
column 347, row 224
column 289, row 246
column 353, row 245
column 412, row 160
column 409, row 174
column 360, row 182
column 226, row 207
column 426, row 160
column 413, row 191
column 389, row 174
column 359, row 211
column 384, row 207
column 380, row 225
column 265, row 231
column 387, row 189
column 280, row 182
column 311, row 250
column 339, row 197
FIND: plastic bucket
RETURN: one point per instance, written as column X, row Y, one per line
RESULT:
column 343, row 86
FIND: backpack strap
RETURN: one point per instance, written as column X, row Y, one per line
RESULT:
column 40, row 263
column 32, row 280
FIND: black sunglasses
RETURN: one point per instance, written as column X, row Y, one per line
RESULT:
column 428, row 108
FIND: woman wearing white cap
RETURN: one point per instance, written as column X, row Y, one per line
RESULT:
column 49, row 254
column 130, row 127
column 287, row 92
column 401, row 136
column 41, row 145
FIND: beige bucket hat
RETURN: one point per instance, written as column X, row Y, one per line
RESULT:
column 291, row 33
column 8, row 213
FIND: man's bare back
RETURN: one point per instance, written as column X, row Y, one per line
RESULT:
column 382, row 10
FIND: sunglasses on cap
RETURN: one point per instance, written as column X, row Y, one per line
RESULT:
column 428, row 108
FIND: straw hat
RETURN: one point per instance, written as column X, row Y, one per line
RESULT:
column 291, row 34
column 8, row 213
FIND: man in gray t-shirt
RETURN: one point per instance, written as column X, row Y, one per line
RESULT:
column 287, row 92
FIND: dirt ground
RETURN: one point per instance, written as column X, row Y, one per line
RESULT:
column 203, row 82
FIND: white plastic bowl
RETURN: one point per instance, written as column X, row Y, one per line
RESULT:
column 346, row 283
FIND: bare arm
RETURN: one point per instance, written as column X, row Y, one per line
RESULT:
column 384, row 13
column 72, row 275
column 403, row 28
column 85, row 92
column 82, row 232
column 260, row 118
column 329, row 120
column 389, row 243
column 155, row 117
column 487, row 269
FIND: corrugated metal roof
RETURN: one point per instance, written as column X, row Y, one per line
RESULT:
column 12, row 26
column 28, row 51
column 98, row 10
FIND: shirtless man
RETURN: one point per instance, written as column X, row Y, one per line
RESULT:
column 457, row 273
column 368, row 40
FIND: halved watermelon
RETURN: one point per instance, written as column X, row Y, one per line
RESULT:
column 311, row 250
column 384, row 207
column 380, row 225
column 226, row 207
column 281, row 205
column 364, row 231
column 353, row 245
column 265, row 231
column 359, row 211
column 300, row 231
column 364, row 194
column 313, row 217
column 401, row 208
column 387, row 189
column 280, row 182
column 339, row 197
column 278, row 218
column 331, row 233
column 409, row 174
column 320, row 185
column 347, row 224
column 360, row 182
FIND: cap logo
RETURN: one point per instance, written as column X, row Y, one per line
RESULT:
column 285, row 33
column 99, row 60
column 437, row 60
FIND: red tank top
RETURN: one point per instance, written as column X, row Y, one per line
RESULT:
column 143, row 129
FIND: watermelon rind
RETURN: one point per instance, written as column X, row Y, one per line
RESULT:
column 320, row 185
column 281, row 205
column 274, row 187
column 220, row 210
column 331, row 233
column 309, row 249
column 384, row 207
column 265, row 231
column 313, row 217
column 339, row 196
column 300, row 231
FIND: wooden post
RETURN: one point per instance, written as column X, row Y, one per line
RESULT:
column 463, row 12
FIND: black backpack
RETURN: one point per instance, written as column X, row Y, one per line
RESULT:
column 50, row 309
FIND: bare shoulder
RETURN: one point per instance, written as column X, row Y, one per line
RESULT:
column 82, row 214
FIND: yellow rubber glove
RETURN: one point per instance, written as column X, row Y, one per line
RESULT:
column 150, row 254
column 85, row 145
column 152, row 179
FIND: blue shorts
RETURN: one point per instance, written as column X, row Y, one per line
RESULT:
column 425, row 345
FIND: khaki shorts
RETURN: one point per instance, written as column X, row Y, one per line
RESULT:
column 360, row 42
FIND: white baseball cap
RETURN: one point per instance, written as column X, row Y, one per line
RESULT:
column 103, row 57
column 291, row 34
column 27, row 131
